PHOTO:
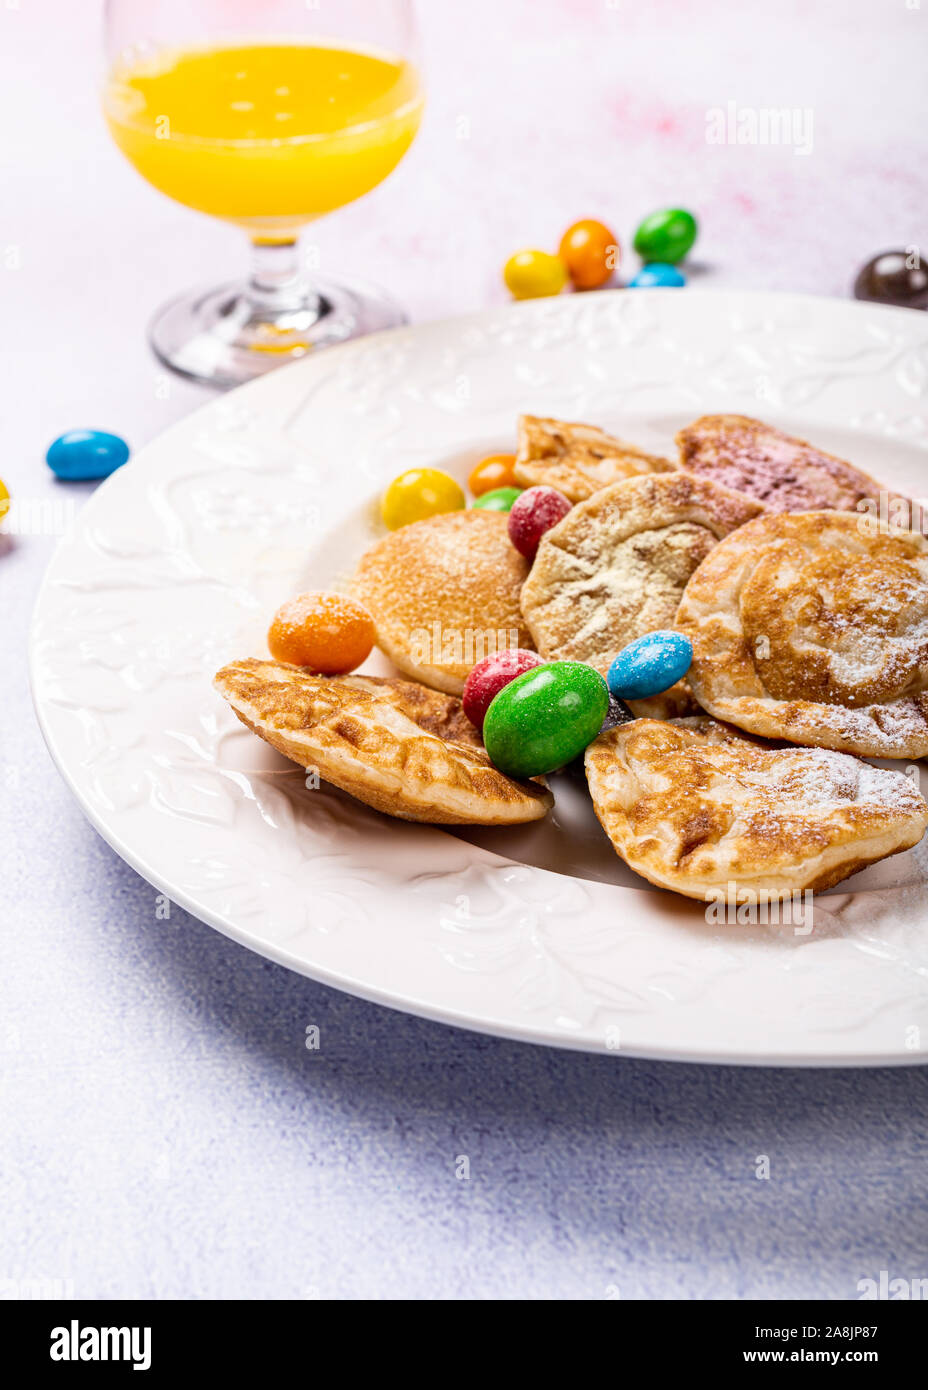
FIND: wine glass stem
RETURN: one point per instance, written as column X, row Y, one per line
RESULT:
column 276, row 282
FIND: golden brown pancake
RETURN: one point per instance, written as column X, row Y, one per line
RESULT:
column 813, row 627
column 786, row 474
column 714, row 731
column 617, row 564
column 703, row 811
column 405, row 750
column 444, row 593
column 577, row 459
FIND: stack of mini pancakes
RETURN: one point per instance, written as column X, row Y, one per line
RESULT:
column 809, row 624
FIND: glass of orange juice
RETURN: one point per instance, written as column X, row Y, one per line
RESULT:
column 267, row 114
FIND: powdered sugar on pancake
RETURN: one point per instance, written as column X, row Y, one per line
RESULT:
column 809, row 627
column 884, row 728
column 614, row 568
column 822, row 778
column 696, row 807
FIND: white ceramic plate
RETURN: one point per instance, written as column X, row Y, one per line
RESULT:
column 539, row 932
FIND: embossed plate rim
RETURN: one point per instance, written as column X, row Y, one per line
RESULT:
column 280, row 397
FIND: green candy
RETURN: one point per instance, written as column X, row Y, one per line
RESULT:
column 545, row 717
column 666, row 236
column 500, row 499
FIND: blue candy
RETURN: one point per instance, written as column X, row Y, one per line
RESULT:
column 657, row 274
column 86, row 454
column 649, row 665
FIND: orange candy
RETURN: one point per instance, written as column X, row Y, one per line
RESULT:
column 491, row 473
column 590, row 252
column 329, row 633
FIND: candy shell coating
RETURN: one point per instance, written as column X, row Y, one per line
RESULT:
column 330, row 634
column 545, row 718
column 82, row 454
column 533, row 274
column 490, row 676
column 666, row 235
column 491, row 473
column 499, row 500
column 893, row 277
column 420, row 493
column 535, row 512
column 590, row 250
column 650, row 665
column 657, row 275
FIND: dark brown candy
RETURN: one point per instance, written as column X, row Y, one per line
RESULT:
column 617, row 713
column 894, row 277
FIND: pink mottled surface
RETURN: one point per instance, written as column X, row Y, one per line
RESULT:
column 540, row 112
column 166, row 1132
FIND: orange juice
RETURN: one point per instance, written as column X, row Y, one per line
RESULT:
column 268, row 136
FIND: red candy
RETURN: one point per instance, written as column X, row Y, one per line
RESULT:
column 489, row 676
column 534, row 513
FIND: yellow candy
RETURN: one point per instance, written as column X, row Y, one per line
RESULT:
column 534, row 275
column 4, row 500
column 419, row 493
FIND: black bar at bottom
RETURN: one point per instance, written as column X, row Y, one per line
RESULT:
column 149, row 1339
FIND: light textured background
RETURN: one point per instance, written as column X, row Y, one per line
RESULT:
column 164, row 1130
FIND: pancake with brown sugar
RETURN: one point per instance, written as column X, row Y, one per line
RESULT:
column 444, row 593
column 617, row 564
column 813, row 627
column 395, row 745
column 577, row 459
column 701, row 810
column 786, row 474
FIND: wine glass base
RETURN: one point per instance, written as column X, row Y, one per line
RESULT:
column 225, row 336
